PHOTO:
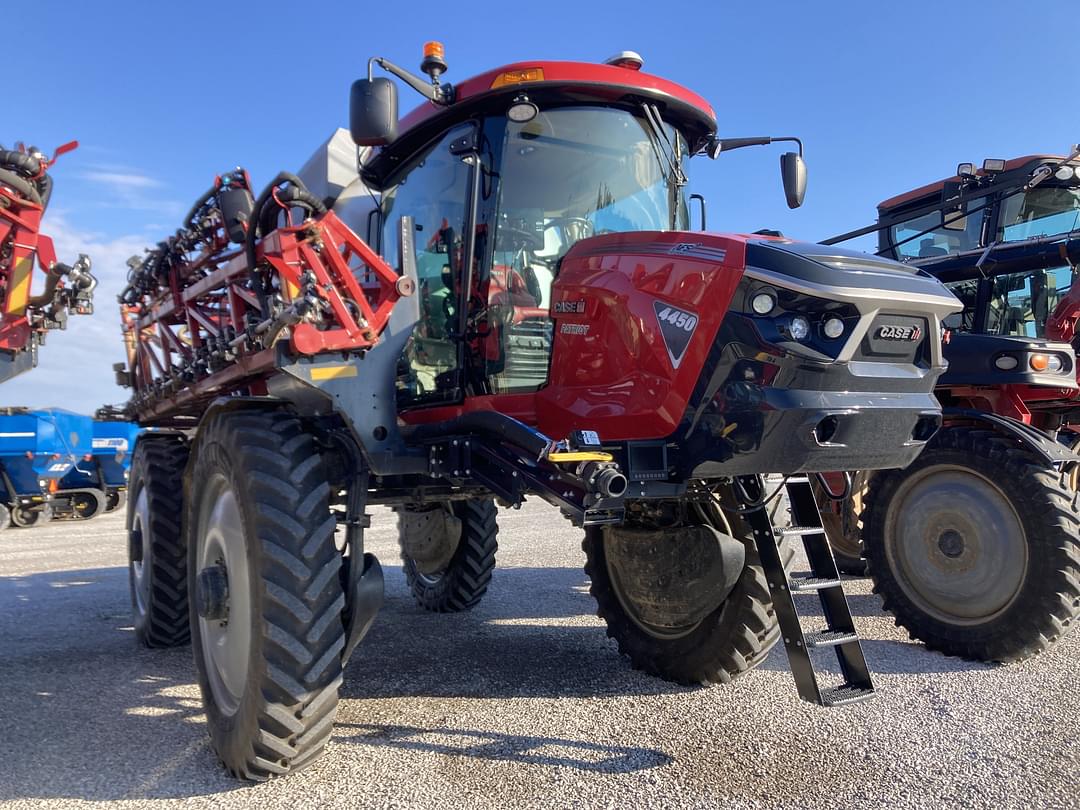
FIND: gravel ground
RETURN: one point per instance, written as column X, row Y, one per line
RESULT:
column 522, row 702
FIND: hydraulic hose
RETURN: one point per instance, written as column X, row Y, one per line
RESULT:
column 493, row 425
column 203, row 200
column 21, row 163
column 257, row 216
column 52, row 279
column 23, row 187
column 29, row 168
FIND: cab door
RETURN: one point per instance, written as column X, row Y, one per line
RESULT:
column 434, row 190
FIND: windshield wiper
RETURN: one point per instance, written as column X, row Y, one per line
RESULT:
column 658, row 137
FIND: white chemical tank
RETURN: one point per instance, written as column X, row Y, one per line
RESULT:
column 332, row 175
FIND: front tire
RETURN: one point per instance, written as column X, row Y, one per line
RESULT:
column 454, row 573
column 267, row 623
column 975, row 547
column 730, row 640
column 157, row 551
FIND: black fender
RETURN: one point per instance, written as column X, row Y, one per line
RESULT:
column 1045, row 447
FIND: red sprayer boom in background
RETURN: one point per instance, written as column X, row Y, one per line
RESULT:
column 25, row 188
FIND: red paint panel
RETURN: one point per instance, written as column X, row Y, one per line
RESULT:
column 611, row 370
column 568, row 73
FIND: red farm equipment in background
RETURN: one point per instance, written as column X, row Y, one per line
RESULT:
column 975, row 548
column 25, row 318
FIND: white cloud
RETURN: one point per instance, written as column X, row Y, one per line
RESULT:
column 122, row 180
column 123, row 187
column 75, row 366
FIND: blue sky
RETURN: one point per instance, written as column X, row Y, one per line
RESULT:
column 163, row 96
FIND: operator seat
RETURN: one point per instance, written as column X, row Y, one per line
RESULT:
column 927, row 249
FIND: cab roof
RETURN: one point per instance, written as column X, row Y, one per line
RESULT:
column 570, row 76
column 931, row 188
column 548, row 82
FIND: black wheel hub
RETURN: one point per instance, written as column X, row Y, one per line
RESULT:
column 951, row 544
column 135, row 545
column 212, row 593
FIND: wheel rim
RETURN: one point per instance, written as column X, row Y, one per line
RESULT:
column 226, row 643
column 1074, row 473
column 140, row 533
column 25, row 517
column 956, row 544
column 84, row 506
column 430, row 580
column 631, row 610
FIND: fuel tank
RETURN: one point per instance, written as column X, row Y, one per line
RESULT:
column 705, row 355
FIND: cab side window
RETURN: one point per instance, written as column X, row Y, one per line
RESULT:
column 433, row 191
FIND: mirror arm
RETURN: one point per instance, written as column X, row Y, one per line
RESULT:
column 727, row 144
column 432, row 91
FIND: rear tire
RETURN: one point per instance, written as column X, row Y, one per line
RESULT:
column 1002, row 594
column 731, row 640
column 268, row 631
column 157, row 552
column 463, row 581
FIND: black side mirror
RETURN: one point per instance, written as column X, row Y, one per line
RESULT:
column 373, row 112
column 793, row 173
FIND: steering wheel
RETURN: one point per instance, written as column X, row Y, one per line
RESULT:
column 574, row 228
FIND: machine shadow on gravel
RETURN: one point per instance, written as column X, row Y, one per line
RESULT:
column 524, row 750
column 548, row 645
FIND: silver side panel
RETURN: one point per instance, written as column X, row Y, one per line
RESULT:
column 331, row 175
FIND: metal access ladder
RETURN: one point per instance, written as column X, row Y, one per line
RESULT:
column 823, row 580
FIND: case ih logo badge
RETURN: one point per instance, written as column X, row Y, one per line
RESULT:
column 684, row 247
column 897, row 332
column 676, row 327
column 569, row 307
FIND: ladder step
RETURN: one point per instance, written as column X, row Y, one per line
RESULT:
column 829, row 638
column 792, row 531
column 797, row 479
column 813, row 583
column 844, row 694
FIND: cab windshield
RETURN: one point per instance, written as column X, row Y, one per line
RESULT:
column 568, row 174
column 1040, row 212
column 919, row 238
column 575, row 172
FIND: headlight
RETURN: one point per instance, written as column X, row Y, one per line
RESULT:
column 833, row 328
column 799, row 328
column 1006, row 362
column 1053, row 363
column 762, row 303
